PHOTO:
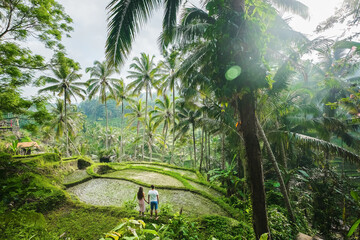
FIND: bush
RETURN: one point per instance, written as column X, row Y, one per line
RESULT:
column 22, row 224
column 25, row 139
column 180, row 228
column 130, row 205
column 131, row 229
column 82, row 221
column 280, row 226
column 4, row 157
column 44, row 157
column 166, row 209
column 32, row 192
column 220, row 227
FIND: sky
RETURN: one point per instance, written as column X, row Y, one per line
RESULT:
column 87, row 42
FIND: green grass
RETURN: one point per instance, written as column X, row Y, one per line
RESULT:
column 83, row 222
column 76, row 177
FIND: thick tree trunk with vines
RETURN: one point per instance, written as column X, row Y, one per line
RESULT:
column 277, row 170
column 254, row 164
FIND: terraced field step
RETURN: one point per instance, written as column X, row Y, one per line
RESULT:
column 154, row 178
column 112, row 192
column 76, row 176
column 186, row 173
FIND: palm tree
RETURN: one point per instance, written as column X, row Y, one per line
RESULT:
column 122, row 94
column 137, row 114
column 242, row 45
column 169, row 68
column 241, row 89
column 162, row 115
column 101, row 82
column 64, row 83
column 187, row 118
column 144, row 74
column 150, row 136
column 58, row 120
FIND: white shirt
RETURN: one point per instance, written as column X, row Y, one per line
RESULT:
column 153, row 194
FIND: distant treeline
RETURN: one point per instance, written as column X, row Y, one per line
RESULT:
column 95, row 110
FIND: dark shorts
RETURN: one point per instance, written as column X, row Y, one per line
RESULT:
column 154, row 205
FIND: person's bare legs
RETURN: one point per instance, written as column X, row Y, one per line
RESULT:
column 156, row 217
column 151, row 212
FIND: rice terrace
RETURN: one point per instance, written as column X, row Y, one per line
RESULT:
column 179, row 119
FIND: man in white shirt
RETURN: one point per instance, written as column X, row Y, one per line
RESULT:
column 153, row 199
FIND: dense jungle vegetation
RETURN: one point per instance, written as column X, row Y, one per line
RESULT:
column 250, row 119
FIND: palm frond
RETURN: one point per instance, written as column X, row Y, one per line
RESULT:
column 169, row 21
column 322, row 145
column 125, row 19
column 293, row 6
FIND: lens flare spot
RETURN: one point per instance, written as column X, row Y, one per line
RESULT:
column 233, row 73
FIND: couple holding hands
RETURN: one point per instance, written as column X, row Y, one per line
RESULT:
column 153, row 199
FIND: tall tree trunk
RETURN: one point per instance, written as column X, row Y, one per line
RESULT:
column 193, row 128
column 146, row 102
column 205, row 149
column 282, row 148
column 173, row 141
column 277, row 170
column 209, row 148
column 254, row 164
column 66, row 126
column 122, row 128
column 223, row 150
column 202, row 148
column 137, row 136
column 166, row 129
column 106, row 133
column 150, row 150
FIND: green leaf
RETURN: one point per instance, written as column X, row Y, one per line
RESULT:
column 264, row 236
column 354, row 195
column 119, row 227
column 153, row 232
column 304, row 173
column 353, row 228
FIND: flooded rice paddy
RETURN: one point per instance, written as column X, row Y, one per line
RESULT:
column 179, row 171
column 157, row 179
column 112, row 192
column 205, row 189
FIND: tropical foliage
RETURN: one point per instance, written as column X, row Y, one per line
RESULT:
column 234, row 96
